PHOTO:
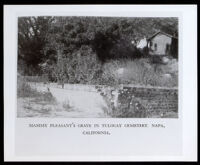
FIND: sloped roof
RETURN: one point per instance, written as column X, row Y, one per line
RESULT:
column 155, row 34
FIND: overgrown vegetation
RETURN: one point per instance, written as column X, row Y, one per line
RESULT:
column 89, row 50
column 25, row 90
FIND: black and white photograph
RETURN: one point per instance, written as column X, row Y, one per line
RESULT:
column 100, row 83
column 97, row 67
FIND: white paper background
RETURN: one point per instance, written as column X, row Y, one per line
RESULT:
column 176, row 142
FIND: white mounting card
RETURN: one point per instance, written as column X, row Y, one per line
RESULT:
column 150, row 114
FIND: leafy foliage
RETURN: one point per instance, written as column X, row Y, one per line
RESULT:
column 75, row 49
column 32, row 33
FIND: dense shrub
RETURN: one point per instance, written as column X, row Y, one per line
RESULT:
column 123, row 49
column 82, row 66
column 109, row 76
column 85, row 49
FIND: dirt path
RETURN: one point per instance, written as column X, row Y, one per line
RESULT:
column 86, row 104
column 77, row 103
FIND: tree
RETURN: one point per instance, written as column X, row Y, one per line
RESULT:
column 32, row 33
column 74, row 49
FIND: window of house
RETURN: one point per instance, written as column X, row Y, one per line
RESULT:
column 150, row 43
column 167, row 47
column 155, row 46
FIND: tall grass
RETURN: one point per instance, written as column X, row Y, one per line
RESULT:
column 142, row 72
column 25, row 90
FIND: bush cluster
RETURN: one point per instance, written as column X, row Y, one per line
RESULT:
column 86, row 50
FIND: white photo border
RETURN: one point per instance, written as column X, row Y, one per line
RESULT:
column 187, row 72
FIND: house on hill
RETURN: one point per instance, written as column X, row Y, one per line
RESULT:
column 162, row 43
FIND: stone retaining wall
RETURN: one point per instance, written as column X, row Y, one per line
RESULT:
column 141, row 102
column 132, row 101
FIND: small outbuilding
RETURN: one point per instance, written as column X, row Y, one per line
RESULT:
column 162, row 44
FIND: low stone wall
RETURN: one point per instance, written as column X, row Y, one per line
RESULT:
column 141, row 102
column 77, row 87
column 130, row 101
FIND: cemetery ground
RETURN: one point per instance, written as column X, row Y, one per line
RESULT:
column 63, row 103
column 85, row 101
